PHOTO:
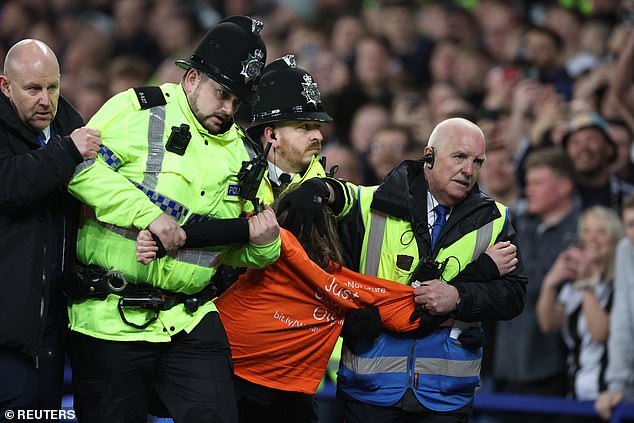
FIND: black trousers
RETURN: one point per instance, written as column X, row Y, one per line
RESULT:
column 25, row 387
column 361, row 412
column 260, row 404
column 192, row 375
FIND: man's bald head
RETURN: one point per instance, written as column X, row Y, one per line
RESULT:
column 29, row 53
column 458, row 148
column 441, row 135
column 31, row 81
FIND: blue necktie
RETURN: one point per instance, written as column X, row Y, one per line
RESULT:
column 41, row 138
column 441, row 218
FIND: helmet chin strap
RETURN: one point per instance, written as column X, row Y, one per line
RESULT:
column 277, row 176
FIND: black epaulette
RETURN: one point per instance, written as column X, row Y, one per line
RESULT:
column 150, row 97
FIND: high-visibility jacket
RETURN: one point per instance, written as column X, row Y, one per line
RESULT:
column 315, row 169
column 442, row 373
column 132, row 181
column 284, row 320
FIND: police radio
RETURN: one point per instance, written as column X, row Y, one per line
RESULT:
column 250, row 177
column 179, row 139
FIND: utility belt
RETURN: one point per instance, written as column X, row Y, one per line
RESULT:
column 94, row 282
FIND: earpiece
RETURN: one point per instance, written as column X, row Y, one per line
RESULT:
column 269, row 131
column 429, row 158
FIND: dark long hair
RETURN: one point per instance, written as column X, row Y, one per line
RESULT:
column 324, row 250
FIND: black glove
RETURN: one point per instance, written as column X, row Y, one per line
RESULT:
column 428, row 322
column 210, row 233
column 363, row 323
column 162, row 252
column 304, row 205
column 471, row 338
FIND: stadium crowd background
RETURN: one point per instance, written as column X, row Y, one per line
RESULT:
column 388, row 70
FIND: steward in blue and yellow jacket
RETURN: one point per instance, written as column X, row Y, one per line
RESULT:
column 387, row 230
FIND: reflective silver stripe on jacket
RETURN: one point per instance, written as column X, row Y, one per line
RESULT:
column 249, row 149
column 483, row 237
column 368, row 366
column 155, row 147
column 156, row 150
column 375, row 243
column 199, row 257
column 429, row 366
column 153, row 166
column 81, row 166
column 442, row 366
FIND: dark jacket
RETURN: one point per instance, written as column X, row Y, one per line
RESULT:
column 535, row 356
column 380, row 371
column 38, row 223
column 403, row 194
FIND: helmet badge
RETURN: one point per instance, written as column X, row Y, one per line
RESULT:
column 252, row 66
column 256, row 26
column 289, row 59
column 311, row 92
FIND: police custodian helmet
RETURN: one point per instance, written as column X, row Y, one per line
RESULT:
column 287, row 92
column 233, row 54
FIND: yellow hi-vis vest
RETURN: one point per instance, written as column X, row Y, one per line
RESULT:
column 442, row 373
column 132, row 181
column 315, row 169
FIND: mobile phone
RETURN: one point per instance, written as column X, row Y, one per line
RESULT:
column 571, row 239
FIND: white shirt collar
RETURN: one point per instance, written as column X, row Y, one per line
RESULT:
column 47, row 133
column 275, row 172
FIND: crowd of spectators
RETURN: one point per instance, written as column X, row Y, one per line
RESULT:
column 534, row 75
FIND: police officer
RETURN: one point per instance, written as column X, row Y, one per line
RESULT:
column 424, row 223
column 170, row 155
column 289, row 114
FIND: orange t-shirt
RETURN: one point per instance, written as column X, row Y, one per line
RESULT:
column 283, row 321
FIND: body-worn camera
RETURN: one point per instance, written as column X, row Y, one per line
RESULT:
column 179, row 139
column 427, row 269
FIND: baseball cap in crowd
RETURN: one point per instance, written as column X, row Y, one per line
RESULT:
column 583, row 120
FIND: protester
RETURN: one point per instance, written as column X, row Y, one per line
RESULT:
column 300, row 302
